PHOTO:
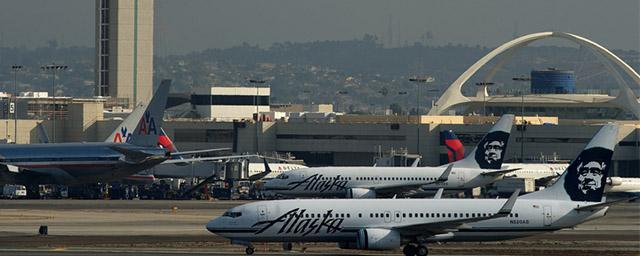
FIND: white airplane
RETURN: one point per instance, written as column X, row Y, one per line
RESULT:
column 387, row 224
column 480, row 168
column 546, row 173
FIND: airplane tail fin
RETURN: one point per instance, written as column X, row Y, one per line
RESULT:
column 585, row 178
column 165, row 142
column 142, row 126
column 455, row 149
column 490, row 151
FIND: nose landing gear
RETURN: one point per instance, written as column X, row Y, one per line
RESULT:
column 249, row 250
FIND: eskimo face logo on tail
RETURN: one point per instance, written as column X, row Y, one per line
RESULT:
column 586, row 176
column 491, row 150
column 122, row 135
column 298, row 221
column 147, row 125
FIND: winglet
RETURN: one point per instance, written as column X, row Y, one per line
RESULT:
column 416, row 162
column 438, row 194
column 445, row 175
column 261, row 175
column 508, row 206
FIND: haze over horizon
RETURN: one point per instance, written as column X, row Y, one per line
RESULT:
column 186, row 26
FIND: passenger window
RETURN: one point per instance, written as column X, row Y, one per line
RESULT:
column 376, row 215
column 404, row 215
column 449, row 215
column 438, row 215
column 516, row 215
column 348, row 215
column 359, row 215
column 467, row 215
column 370, row 215
column 387, row 215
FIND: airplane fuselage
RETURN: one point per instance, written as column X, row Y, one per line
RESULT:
column 326, row 220
column 71, row 163
column 336, row 181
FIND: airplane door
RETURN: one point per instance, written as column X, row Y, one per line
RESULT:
column 387, row 216
column 262, row 213
column 548, row 216
column 397, row 216
column 461, row 178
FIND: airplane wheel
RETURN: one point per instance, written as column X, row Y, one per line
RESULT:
column 422, row 251
column 249, row 251
column 287, row 246
column 409, row 250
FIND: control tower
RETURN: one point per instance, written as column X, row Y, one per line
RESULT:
column 124, row 50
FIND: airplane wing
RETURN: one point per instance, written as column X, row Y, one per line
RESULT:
column 206, row 159
column 408, row 189
column 452, row 225
column 598, row 206
column 195, row 152
column 500, row 172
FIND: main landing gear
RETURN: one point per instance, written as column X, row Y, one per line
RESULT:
column 415, row 250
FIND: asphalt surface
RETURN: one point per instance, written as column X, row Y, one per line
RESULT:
column 115, row 227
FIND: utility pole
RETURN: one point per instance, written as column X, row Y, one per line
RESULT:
column 418, row 81
column 15, row 69
column 523, row 126
column 53, row 67
column 257, row 83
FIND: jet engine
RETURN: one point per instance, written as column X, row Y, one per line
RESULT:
column 361, row 193
column 614, row 181
column 378, row 239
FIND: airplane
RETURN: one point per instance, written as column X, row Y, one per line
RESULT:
column 480, row 168
column 387, row 224
column 543, row 173
column 128, row 150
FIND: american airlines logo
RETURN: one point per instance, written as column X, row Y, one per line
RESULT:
column 122, row 136
column 319, row 182
column 147, row 124
column 298, row 221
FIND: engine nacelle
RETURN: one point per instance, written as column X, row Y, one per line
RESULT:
column 614, row 181
column 378, row 239
column 361, row 193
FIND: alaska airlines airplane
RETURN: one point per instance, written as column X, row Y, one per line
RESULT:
column 480, row 168
column 130, row 149
column 386, row 224
column 543, row 173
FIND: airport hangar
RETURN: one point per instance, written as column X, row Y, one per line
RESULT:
column 321, row 137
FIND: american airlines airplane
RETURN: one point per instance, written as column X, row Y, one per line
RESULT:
column 130, row 149
column 387, row 224
column 480, row 168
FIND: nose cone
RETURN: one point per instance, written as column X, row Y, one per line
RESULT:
column 213, row 225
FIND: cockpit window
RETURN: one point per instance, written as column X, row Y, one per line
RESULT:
column 282, row 176
column 232, row 214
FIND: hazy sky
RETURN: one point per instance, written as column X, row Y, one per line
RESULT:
column 184, row 26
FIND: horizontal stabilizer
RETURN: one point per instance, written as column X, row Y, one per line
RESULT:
column 598, row 206
column 131, row 155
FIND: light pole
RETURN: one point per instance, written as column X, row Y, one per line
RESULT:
column 407, row 102
column 418, row 81
column 15, row 69
column 53, row 67
column 341, row 99
column 484, row 95
column 523, row 126
column 257, row 83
